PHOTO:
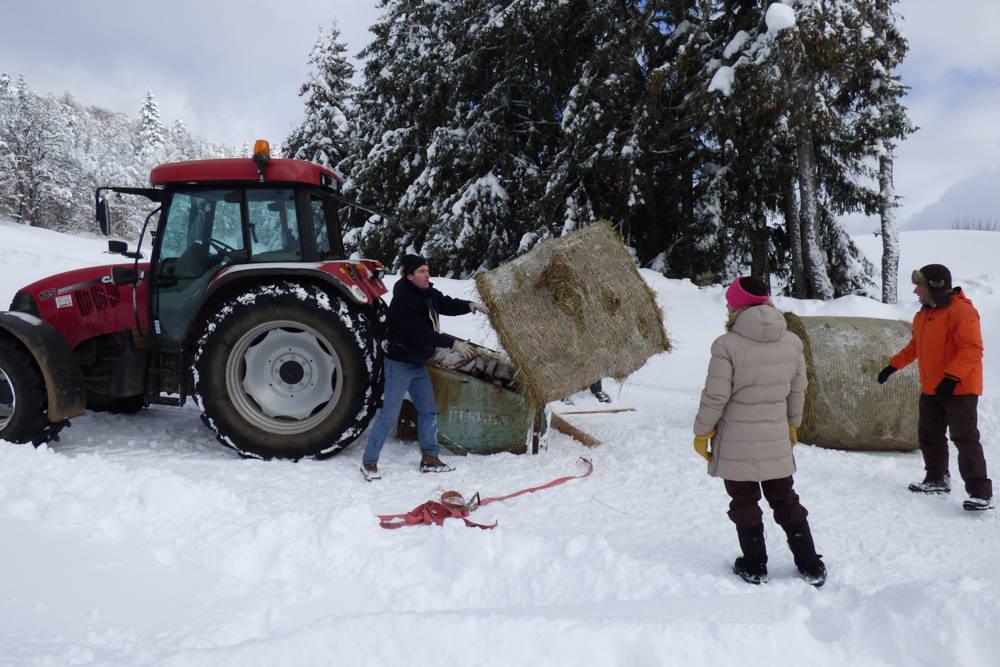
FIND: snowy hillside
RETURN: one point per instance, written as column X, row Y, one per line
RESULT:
column 138, row 540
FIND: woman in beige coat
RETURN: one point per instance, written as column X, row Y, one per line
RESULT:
column 750, row 409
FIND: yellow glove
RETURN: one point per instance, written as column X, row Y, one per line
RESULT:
column 794, row 433
column 701, row 445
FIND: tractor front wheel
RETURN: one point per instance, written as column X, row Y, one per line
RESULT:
column 23, row 399
column 286, row 371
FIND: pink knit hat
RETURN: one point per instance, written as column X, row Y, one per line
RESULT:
column 739, row 297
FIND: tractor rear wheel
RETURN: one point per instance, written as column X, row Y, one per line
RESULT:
column 287, row 371
column 23, row 399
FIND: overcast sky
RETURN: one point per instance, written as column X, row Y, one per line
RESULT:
column 232, row 70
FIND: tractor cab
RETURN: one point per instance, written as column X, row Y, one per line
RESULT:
column 245, row 214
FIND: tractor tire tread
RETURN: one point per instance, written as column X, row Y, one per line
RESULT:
column 30, row 422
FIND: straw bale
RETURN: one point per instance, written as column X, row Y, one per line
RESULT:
column 845, row 407
column 571, row 311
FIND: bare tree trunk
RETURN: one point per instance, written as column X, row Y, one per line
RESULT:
column 814, row 259
column 760, row 244
column 799, row 286
column 890, row 230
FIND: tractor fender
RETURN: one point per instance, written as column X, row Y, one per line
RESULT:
column 353, row 293
column 237, row 276
column 64, row 381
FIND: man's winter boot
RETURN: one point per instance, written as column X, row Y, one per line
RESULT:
column 810, row 565
column 929, row 485
column 430, row 463
column 752, row 565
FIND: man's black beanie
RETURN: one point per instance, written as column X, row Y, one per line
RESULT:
column 411, row 263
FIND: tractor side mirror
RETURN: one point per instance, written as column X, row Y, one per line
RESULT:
column 122, row 275
column 121, row 248
column 104, row 216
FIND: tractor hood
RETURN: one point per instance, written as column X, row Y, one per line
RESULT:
column 84, row 303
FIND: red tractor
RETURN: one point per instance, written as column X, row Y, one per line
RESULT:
column 248, row 303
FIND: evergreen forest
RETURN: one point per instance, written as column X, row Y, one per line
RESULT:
column 718, row 137
column 54, row 153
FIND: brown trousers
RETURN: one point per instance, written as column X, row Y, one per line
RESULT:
column 744, row 508
column 958, row 415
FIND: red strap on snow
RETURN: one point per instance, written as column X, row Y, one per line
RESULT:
column 453, row 505
column 590, row 469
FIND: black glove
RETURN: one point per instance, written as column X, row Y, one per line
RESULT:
column 885, row 373
column 946, row 387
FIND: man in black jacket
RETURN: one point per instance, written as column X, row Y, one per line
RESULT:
column 413, row 334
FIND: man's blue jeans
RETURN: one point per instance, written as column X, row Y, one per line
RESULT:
column 401, row 377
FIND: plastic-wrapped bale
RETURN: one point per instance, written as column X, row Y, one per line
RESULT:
column 845, row 407
column 571, row 311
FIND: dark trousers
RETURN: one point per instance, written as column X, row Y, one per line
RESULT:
column 957, row 415
column 744, row 509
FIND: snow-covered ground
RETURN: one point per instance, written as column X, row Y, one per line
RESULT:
column 138, row 540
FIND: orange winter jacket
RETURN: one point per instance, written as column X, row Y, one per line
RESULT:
column 946, row 341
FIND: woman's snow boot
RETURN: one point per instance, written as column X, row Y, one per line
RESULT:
column 810, row 565
column 752, row 565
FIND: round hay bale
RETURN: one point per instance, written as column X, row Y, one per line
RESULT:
column 845, row 406
column 571, row 311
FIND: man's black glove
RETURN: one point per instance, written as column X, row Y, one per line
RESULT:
column 946, row 387
column 885, row 373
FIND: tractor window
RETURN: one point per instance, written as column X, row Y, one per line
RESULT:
column 325, row 222
column 201, row 229
column 200, row 225
column 274, row 228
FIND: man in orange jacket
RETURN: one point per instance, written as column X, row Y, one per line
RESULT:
column 948, row 348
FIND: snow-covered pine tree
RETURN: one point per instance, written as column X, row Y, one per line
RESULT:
column 855, row 160
column 59, row 170
column 323, row 135
column 881, row 120
column 487, row 126
column 7, row 110
column 150, row 131
column 849, row 270
column 632, row 144
column 54, row 152
column 109, row 152
column 513, row 76
column 807, row 71
column 181, row 142
column 685, row 156
column 587, row 179
column 37, row 144
column 748, row 129
column 779, row 90
column 403, row 99
column 458, row 120
column 18, row 131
